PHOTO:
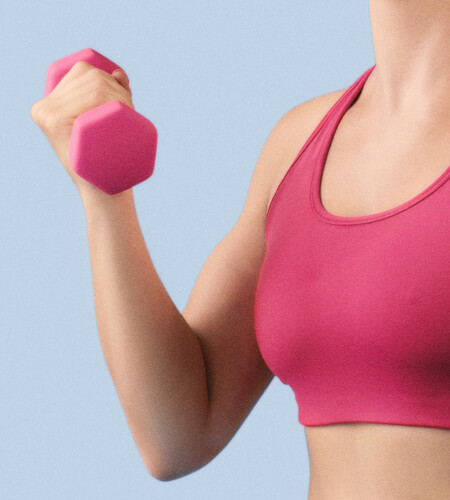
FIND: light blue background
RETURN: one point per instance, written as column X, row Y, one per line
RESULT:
column 214, row 77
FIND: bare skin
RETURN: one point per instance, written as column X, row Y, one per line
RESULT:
column 401, row 125
column 187, row 381
column 363, row 460
column 355, row 461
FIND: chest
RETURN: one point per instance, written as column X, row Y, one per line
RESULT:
column 370, row 169
column 354, row 313
column 339, row 303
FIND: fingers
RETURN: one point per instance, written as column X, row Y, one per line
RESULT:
column 88, row 79
column 122, row 78
column 78, row 69
column 82, row 88
column 88, row 95
column 83, row 71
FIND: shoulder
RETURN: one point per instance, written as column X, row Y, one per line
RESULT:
column 293, row 130
column 308, row 112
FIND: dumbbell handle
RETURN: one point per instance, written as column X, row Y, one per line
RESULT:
column 111, row 146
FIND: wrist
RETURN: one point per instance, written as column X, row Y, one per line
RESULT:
column 94, row 199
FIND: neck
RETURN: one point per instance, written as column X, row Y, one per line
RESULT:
column 411, row 43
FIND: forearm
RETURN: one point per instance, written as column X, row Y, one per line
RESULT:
column 154, row 357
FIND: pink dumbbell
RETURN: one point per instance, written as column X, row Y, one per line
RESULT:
column 111, row 146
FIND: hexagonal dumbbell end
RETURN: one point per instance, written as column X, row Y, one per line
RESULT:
column 111, row 146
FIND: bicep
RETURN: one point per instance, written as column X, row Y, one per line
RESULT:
column 220, row 309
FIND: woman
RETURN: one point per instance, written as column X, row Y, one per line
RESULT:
column 334, row 278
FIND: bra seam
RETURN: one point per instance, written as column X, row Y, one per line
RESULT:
column 439, row 182
column 364, row 219
column 305, row 145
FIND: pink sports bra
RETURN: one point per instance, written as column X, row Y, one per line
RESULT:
column 353, row 313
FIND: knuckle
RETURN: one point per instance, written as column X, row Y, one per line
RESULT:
column 100, row 86
column 40, row 115
column 81, row 66
column 45, row 119
column 99, row 93
column 98, row 75
column 52, row 122
column 35, row 111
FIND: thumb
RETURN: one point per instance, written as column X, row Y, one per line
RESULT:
column 122, row 78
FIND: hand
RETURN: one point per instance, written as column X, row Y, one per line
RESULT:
column 82, row 88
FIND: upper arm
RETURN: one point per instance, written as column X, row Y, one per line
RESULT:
column 220, row 307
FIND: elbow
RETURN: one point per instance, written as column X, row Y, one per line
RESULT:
column 159, row 470
column 165, row 472
column 162, row 475
column 159, row 473
column 170, row 464
column 166, row 475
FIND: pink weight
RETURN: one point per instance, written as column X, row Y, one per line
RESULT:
column 112, row 146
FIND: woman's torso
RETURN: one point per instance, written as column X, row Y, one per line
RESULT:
column 356, row 460
column 363, row 461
